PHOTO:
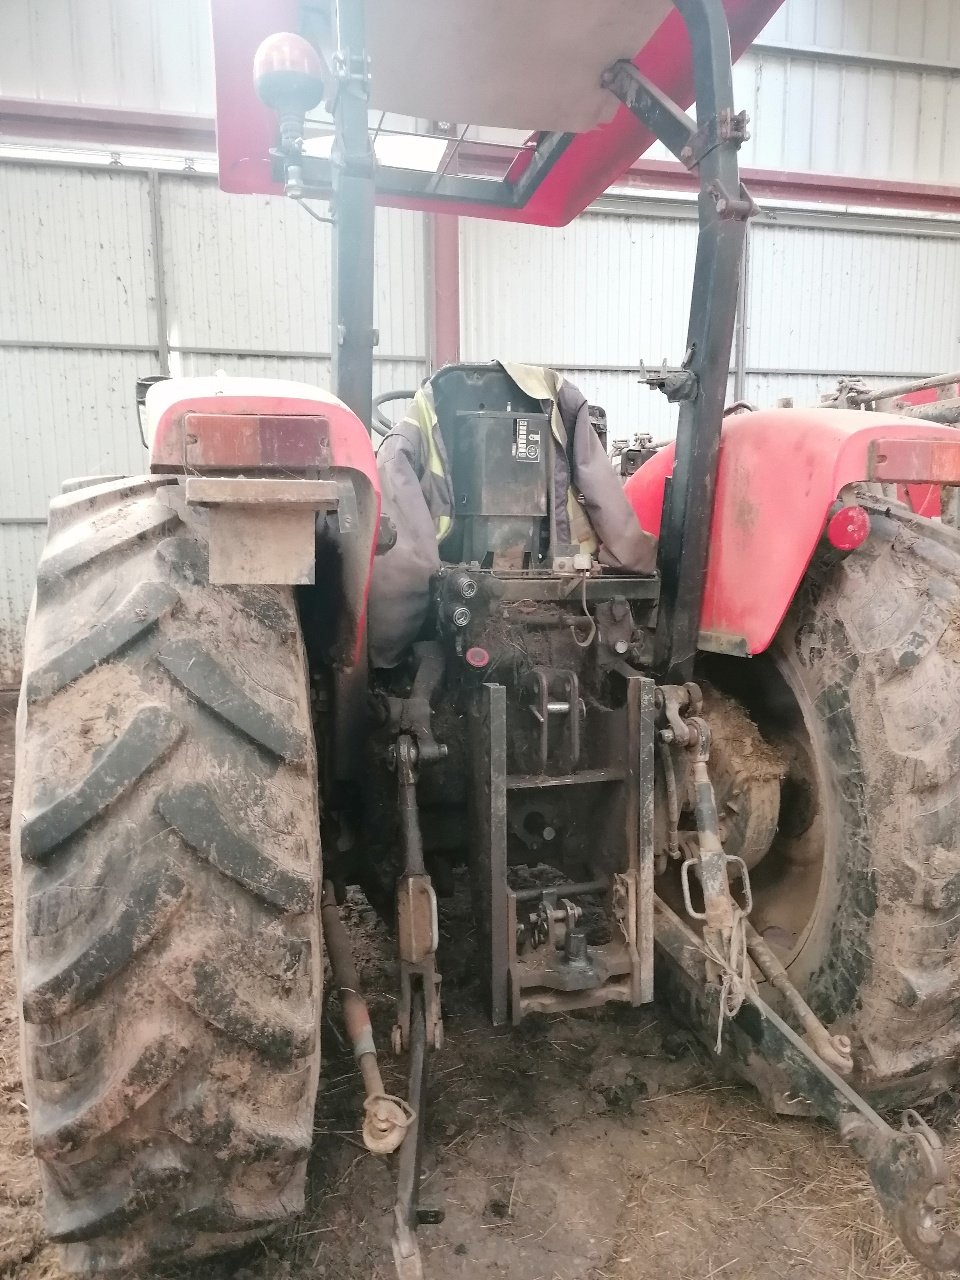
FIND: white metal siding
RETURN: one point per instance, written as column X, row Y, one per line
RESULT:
column 65, row 413
column 535, row 306
column 77, row 270
column 75, row 258
column 871, row 88
column 253, row 273
column 862, row 88
column 835, row 299
column 132, row 54
column 20, row 547
column 388, row 375
column 864, row 121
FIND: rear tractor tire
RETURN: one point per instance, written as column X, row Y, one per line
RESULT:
column 860, row 890
column 167, row 863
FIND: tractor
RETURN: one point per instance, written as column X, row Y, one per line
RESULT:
column 694, row 735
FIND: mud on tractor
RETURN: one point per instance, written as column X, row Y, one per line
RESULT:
column 696, row 735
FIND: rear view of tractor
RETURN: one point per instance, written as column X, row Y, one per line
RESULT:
column 694, row 736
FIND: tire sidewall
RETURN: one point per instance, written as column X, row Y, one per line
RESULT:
column 869, row 650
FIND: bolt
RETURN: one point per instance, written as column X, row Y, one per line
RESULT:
column 549, row 833
column 396, row 1040
column 621, row 646
column 667, row 736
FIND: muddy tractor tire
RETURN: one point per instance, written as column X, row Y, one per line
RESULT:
column 862, row 884
column 166, row 862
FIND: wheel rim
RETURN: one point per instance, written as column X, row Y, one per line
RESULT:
column 789, row 882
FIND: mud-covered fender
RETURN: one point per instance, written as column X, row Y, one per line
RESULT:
column 242, row 427
column 780, row 472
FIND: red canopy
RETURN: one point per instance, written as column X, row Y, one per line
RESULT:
column 246, row 130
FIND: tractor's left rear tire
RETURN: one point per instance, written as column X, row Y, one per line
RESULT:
column 166, row 861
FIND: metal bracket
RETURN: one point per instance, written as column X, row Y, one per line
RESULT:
column 676, row 384
column 262, row 530
column 725, row 126
column 741, row 207
column 555, row 694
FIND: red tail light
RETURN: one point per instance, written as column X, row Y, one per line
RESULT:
column 205, row 441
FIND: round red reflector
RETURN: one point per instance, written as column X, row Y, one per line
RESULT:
column 477, row 657
column 848, row 528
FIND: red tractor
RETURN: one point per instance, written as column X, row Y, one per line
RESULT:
column 696, row 735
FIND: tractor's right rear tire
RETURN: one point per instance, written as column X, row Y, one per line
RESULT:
column 167, row 863
column 861, row 886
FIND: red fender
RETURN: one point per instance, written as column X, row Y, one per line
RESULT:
column 261, row 426
column 780, row 472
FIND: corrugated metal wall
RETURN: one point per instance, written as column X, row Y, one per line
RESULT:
column 864, row 87
column 827, row 298
column 824, row 296
column 252, row 275
column 592, row 299
column 132, row 54
column 90, row 260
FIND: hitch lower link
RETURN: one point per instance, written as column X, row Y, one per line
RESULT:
column 707, row 978
column 419, row 1025
column 390, row 1123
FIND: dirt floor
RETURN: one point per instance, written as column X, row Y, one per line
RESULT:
column 595, row 1147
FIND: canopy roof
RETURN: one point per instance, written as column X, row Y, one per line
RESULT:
column 443, row 72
